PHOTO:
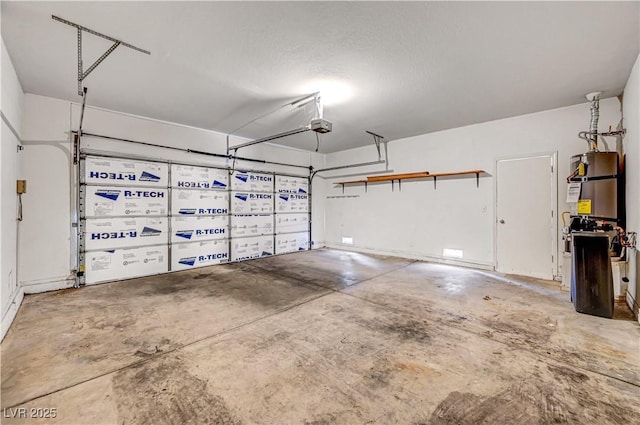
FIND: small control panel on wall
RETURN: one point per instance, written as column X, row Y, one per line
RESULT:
column 21, row 187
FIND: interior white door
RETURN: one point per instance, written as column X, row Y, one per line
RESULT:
column 525, row 228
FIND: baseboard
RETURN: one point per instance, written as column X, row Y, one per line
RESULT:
column 46, row 285
column 633, row 305
column 414, row 256
column 317, row 244
column 11, row 313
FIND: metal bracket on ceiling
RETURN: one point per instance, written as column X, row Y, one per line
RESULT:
column 313, row 97
column 377, row 139
column 82, row 74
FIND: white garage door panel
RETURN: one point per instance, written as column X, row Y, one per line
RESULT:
column 199, row 202
column 292, row 242
column 113, row 201
column 297, row 203
column 251, row 225
column 199, row 254
column 125, row 172
column 186, row 176
column 195, row 229
column 118, row 264
column 248, row 248
column 291, row 223
column 251, row 182
column 251, row 203
column 106, row 233
column 286, row 184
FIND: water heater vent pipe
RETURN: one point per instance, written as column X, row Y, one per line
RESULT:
column 594, row 97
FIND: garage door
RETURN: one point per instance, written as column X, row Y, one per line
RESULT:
column 140, row 218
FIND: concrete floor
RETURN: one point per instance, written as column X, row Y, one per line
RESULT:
column 320, row 337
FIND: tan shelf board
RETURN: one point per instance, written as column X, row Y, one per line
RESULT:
column 352, row 182
column 389, row 177
column 457, row 173
column 419, row 175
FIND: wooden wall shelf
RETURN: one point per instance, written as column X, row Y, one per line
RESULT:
column 408, row 176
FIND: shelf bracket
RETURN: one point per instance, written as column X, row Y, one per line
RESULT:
column 392, row 185
column 399, row 185
column 478, row 180
column 435, row 179
column 343, row 188
column 365, row 187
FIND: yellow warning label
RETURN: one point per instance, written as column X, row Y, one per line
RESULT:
column 584, row 206
column 82, row 267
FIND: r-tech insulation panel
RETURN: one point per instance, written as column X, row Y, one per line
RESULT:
column 140, row 218
column 292, row 214
column 252, row 205
column 124, row 223
column 199, row 216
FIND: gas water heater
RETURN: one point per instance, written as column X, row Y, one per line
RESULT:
column 598, row 219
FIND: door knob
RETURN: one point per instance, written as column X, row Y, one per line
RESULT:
column 501, row 221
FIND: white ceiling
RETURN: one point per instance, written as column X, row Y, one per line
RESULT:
column 412, row 68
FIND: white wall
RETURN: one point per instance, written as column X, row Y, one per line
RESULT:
column 419, row 221
column 12, row 102
column 631, row 112
column 48, row 211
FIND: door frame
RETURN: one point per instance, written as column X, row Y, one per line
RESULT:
column 554, row 206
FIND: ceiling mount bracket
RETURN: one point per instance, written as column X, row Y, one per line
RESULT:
column 83, row 74
column 377, row 139
column 313, row 97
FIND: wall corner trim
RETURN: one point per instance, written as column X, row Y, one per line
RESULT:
column 11, row 313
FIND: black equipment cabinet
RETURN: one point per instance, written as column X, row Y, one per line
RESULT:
column 591, row 277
